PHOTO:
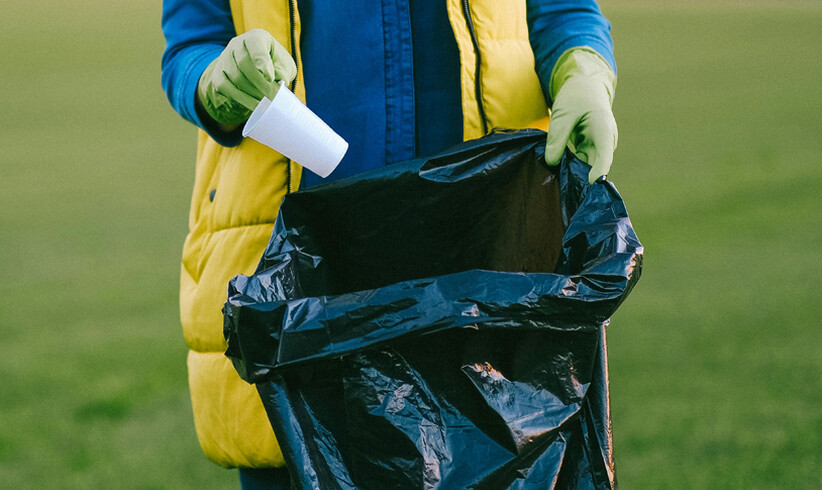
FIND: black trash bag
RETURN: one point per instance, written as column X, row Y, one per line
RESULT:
column 440, row 323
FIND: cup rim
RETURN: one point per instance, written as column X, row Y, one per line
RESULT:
column 256, row 115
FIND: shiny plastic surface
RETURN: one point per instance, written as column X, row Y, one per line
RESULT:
column 440, row 323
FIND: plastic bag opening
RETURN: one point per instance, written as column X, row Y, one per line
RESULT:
column 401, row 224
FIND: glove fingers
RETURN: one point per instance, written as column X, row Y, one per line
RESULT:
column 284, row 65
column 559, row 131
column 256, row 66
column 600, row 161
column 264, row 62
column 231, row 90
column 598, row 142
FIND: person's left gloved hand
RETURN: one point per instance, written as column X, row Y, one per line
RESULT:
column 582, row 88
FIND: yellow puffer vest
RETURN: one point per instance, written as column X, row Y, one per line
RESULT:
column 237, row 192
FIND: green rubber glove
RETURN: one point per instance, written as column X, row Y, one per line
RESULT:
column 582, row 88
column 247, row 70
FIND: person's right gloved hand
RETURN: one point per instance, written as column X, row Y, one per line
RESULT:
column 247, row 70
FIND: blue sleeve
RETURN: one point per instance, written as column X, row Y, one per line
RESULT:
column 555, row 26
column 196, row 32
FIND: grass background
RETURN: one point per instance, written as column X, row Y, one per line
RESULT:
column 715, row 358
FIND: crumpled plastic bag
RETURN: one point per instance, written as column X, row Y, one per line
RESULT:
column 440, row 323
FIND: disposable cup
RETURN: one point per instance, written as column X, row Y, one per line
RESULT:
column 286, row 125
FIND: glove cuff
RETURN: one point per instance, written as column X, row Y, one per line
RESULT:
column 582, row 61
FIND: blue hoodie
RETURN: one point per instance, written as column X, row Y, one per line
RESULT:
column 370, row 62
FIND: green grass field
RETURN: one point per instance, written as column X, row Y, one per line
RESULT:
column 716, row 371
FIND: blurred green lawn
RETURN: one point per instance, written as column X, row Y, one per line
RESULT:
column 715, row 359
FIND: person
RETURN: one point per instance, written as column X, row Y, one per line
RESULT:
column 397, row 79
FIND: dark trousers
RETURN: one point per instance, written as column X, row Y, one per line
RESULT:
column 265, row 479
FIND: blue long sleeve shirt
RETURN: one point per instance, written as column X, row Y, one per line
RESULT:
column 391, row 88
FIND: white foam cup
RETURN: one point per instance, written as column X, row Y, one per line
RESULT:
column 286, row 125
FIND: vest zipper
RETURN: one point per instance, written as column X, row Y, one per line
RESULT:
column 466, row 10
column 292, row 12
